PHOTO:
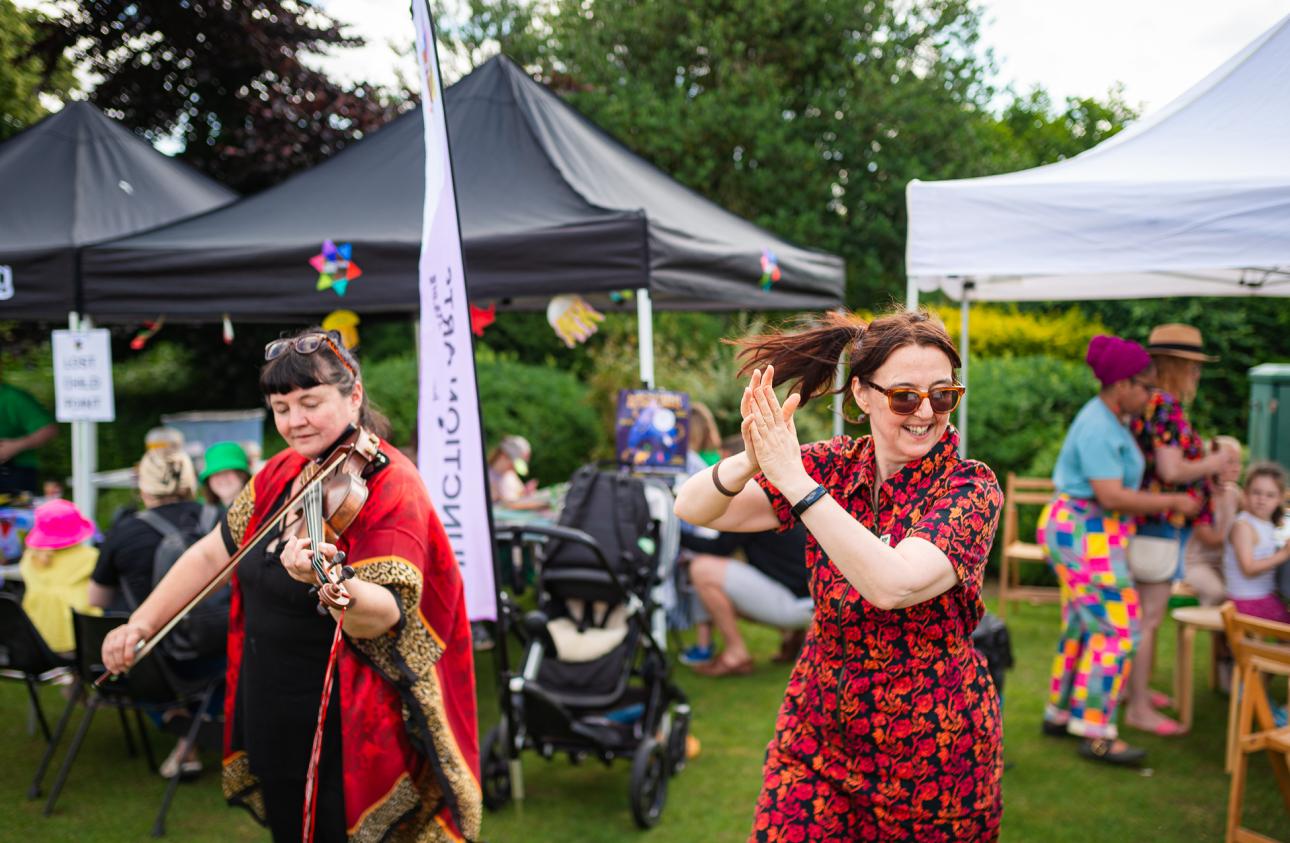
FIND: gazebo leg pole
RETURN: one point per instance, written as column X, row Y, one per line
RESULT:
column 645, row 335
column 965, row 310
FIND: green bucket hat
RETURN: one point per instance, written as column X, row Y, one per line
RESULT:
column 224, row 456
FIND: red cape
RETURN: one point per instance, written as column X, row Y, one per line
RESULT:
column 408, row 724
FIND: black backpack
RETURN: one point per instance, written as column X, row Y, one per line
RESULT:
column 611, row 508
column 204, row 631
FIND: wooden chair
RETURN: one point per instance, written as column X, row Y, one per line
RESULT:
column 1260, row 647
column 1035, row 491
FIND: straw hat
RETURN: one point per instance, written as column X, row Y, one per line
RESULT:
column 58, row 524
column 1177, row 340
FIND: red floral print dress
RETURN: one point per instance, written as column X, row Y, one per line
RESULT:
column 890, row 727
column 1163, row 424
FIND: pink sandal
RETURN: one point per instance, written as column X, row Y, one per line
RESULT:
column 1166, row 728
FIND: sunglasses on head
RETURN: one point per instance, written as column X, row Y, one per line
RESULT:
column 905, row 400
column 308, row 344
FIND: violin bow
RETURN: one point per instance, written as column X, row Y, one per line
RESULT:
column 312, row 488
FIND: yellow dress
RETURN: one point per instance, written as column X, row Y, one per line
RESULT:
column 52, row 591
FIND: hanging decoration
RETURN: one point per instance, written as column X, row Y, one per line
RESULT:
column 620, row 296
column 147, row 332
column 573, row 319
column 335, row 267
column 345, row 323
column 769, row 268
column 228, row 330
column 481, row 318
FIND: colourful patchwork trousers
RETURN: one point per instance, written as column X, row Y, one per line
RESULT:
column 1087, row 548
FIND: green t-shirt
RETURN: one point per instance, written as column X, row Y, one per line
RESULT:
column 21, row 415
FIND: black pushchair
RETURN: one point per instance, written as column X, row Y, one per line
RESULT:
column 594, row 678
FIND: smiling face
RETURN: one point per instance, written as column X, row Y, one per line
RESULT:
column 310, row 420
column 225, row 485
column 902, row 439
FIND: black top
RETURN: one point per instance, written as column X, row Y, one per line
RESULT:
column 285, row 651
column 128, row 549
column 780, row 556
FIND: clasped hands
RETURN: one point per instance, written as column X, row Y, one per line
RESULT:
column 769, row 433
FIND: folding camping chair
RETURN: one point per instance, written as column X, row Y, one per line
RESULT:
column 24, row 655
column 149, row 686
column 1261, row 648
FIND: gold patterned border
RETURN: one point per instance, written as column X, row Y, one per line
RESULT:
column 243, row 788
column 239, row 513
column 417, row 648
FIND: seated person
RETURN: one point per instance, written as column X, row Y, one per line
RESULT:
column 56, row 568
column 770, row 588
column 225, row 471
column 1203, row 556
column 123, row 577
column 507, row 463
column 167, row 487
column 1253, row 552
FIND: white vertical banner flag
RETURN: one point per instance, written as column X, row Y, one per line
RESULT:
column 450, row 448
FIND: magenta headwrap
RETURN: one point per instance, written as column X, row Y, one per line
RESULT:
column 1114, row 359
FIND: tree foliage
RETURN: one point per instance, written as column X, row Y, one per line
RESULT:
column 26, row 70
column 806, row 116
column 227, row 79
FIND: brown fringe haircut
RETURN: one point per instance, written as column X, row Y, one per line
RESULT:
column 806, row 354
column 1275, row 473
column 293, row 370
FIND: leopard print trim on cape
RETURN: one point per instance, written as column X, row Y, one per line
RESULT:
column 239, row 513
column 243, row 788
column 406, row 657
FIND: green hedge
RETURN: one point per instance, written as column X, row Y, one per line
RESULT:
column 547, row 406
column 1019, row 411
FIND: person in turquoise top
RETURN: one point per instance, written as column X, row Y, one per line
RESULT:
column 1086, row 530
column 24, row 426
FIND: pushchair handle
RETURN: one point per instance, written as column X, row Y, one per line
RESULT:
column 512, row 534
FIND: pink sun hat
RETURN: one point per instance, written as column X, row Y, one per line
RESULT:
column 59, row 524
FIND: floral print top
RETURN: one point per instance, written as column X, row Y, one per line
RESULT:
column 1163, row 424
column 898, row 705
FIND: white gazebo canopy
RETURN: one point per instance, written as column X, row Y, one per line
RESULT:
column 1192, row 200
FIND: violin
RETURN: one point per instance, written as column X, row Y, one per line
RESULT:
column 328, row 501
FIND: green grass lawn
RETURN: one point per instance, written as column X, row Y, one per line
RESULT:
column 1050, row 794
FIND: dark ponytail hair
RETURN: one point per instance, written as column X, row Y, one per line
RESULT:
column 292, row 370
column 806, row 354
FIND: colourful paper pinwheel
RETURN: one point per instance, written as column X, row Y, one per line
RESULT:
column 335, row 267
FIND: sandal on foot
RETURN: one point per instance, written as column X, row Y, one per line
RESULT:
column 1166, row 728
column 720, row 666
column 1103, row 750
column 1159, row 699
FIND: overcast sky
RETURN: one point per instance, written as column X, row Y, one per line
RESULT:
column 1156, row 48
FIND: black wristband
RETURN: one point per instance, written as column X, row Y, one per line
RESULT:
column 806, row 502
column 716, row 481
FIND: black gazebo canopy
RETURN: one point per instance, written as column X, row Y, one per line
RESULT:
column 77, row 178
column 549, row 204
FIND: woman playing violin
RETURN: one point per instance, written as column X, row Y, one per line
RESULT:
column 398, row 756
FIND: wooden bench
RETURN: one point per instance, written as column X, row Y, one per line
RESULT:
column 1037, row 491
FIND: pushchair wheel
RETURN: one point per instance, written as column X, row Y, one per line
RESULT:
column 496, row 771
column 650, row 768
